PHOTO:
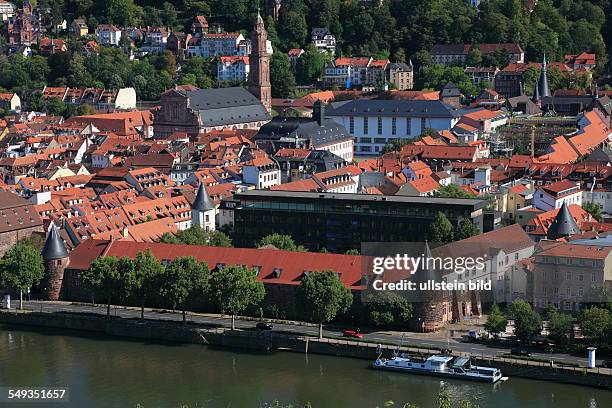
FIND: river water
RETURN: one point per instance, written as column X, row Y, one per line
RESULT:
column 111, row 372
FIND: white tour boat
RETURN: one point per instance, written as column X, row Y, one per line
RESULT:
column 441, row 366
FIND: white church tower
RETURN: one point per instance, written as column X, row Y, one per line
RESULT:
column 203, row 210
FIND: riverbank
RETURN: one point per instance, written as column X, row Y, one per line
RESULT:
column 270, row 341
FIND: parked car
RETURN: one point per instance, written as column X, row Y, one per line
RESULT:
column 352, row 333
column 606, row 364
column 264, row 326
column 520, row 352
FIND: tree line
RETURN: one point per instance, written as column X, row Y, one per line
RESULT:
column 594, row 320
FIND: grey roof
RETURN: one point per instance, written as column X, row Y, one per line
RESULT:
column 224, row 106
column 320, row 32
column 536, row 93
column 202, row 201
column 563, row 225
column 392, row 107
column 54, row 245
column 288, row 128
column 401, row 66
column 450, row 90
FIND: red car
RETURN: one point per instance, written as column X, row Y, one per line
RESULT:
column 352, row 333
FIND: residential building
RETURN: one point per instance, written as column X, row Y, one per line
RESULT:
column 79, row 28
column 10, row 102
column 377, row 72
column 203, row 110
column 564, row 273
column 19, row 220
column 346, row 72
column 449, row 54
column 313, row 220
column 482, row 75
column 401, row 75
column 323, row 40
column 503, row 250
column 177, row 43
column 600, row 196
column 262, row 172
column 583, row 60
column 554, row 195
column 340, row 180
column 108, row 35
column 294, row 54
column 378, row 122
column 199, row 26
column 48, row 46
column 316, row 133
column 6, row 10
column 233, row 68
column 156, row 40
column 214, row 45
column 100, row 99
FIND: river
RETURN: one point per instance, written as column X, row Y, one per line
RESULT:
column 112, row 372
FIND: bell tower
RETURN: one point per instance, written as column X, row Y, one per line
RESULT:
column 259, row 65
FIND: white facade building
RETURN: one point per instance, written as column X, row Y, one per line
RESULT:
column 108, row 35
column 551, row 196
column 262, row 172
column 377, row 123
column 233, row 68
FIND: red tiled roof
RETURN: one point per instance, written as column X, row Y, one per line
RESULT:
column 291, row 265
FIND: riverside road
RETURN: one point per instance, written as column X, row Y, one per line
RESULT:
column 225, row 321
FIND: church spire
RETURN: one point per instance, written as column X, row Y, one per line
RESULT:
column 259, row 63
column 543, row 81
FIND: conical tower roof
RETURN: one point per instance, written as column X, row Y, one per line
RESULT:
column 54, row 246
column 563, row 225
column 543, row 81
column 202, row 202
column 536, row 93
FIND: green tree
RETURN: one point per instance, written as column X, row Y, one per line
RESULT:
column 184, row 280
column 144, row 279
column 282, row 79
column 104, row 280
column 321, row 296
column 595, row 324
column 387, row 309
column 527, row 322
column 21, row 267
column 198, row 236
column 309, row 67
column 452, row 191
column 56, row 106
column 292, row 28
column 593, row 209
column 440, row 230
column 235, row 288
column 560, row 327
column 279, row 241
column 496, row 322
column 466, row 229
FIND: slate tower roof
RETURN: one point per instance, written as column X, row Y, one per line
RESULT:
column 202, row 201
column 563, row 225
column 54, row 246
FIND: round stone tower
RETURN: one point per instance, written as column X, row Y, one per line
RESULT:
column 56, row 260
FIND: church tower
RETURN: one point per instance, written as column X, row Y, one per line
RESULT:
column 259, row 65
column 203, row 210
column 55, row 257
